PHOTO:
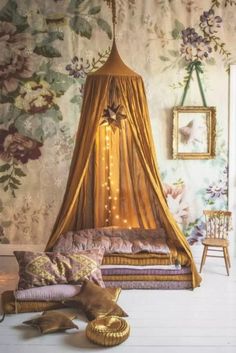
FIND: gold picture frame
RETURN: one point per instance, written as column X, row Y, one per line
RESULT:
column 194, row 131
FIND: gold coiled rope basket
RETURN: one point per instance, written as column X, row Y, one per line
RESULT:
column 108, row 331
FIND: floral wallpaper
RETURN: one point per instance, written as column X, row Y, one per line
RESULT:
column 47, row 48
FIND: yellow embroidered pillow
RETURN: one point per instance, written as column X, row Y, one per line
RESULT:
column 51, row 321
column 41, row 269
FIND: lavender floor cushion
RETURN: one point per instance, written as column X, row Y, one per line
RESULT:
column 56, row 292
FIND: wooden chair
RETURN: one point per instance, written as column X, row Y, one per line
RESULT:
column 218, row 225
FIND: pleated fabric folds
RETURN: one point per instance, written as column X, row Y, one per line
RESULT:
column 114, row 178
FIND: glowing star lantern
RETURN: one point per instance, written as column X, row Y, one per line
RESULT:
column 113, row 115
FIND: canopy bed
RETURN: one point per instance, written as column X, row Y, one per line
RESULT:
column 114, row 188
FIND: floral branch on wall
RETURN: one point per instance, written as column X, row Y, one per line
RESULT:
column 35, row 85
column 79, row 69
column 121, row 9
column 174, row 194
column 196, row 44
column 26, row 216
column 4, row 224
column 82, row 18
column 30, row 87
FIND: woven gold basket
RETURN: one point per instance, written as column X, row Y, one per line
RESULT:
column 108, row 331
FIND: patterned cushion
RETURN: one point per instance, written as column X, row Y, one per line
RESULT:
column 41, row 269
column 114, row 240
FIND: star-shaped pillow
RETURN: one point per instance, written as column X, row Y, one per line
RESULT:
column 51, row 321
column 95, row 301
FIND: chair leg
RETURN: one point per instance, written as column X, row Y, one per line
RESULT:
column 228, row 257
column 203, row 257
column 226, row 260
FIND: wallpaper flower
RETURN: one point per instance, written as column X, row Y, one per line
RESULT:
column 175, row 199
column 17, row 147
column 17, row 62
column 47, row 49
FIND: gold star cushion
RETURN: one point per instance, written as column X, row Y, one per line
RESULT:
column 51, row 321
column 95, row 302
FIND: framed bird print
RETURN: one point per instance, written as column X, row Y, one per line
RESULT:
column 194, row 131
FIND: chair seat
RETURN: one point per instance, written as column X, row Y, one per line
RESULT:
column 215, row 242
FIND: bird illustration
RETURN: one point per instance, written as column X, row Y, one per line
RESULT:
column 186, row 132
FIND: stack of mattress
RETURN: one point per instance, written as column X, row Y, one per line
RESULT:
column 134, row 258
column 147, row 277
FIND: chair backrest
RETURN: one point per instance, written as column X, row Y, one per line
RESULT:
column 218, row 224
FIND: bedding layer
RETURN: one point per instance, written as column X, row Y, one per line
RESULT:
column 150, row 284
column 159, row 278
column 144, row 259
column 143, row 271
column 114, row 240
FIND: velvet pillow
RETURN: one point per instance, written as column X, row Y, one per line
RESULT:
column 51, row 321
column 95, row 302
column 44, row 268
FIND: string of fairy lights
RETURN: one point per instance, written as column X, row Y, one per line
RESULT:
column 112, row 214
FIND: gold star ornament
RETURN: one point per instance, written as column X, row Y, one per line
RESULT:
column 113, row 115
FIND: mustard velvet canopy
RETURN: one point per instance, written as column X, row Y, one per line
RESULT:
column 113, row 178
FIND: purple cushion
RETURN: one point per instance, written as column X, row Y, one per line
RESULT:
column 114, row 240
column 55, row 292
column 38, row 269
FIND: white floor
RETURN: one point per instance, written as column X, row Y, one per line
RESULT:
column 199, row 321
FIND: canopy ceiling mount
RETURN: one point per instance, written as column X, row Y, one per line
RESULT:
column 112, row 5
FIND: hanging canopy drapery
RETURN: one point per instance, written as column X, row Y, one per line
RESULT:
column 113, row 178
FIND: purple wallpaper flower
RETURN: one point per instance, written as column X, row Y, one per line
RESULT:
column 219, row 188
column 77, row 68
column 194, row 46
column 210, row 23
column 203, row 48
column 189, row 36
column 216, row 191
column 16, row 62
column 13, row 145
column 198, row 233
